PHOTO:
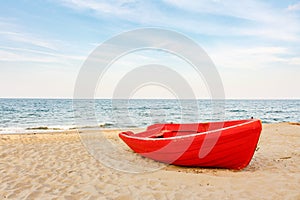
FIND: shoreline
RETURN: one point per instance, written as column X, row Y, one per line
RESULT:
column 57, row 165
column 35, row 131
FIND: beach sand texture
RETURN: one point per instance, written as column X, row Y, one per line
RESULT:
column 57, row 166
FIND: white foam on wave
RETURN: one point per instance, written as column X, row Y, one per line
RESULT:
column 37, row 129
column 57, row 128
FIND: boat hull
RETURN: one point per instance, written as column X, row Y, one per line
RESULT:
column 229, row 144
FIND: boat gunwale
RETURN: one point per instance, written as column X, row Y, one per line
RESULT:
column 247, row 121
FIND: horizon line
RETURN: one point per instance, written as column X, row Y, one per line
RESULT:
column 68, row 98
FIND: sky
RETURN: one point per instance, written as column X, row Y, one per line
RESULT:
column 254, row 45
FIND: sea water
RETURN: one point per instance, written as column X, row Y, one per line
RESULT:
column 38, row 115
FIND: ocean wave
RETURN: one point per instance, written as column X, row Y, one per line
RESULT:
column 106, row 124
column 58, row 128
column 237, row 110
column 100, row 125
column 275, row 111
column 44, row 128
column 37, row 129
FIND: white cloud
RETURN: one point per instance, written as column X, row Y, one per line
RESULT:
column 115, row 7
column 143, row 12
column 249, row 9
column 265, row 20
column 9, row 54
column 28, row 39
column 92, row 5
column 294, row 61
column 294, row 7
column 19, row 46
column 269, row 21
column 15, row 35
column 251, row 57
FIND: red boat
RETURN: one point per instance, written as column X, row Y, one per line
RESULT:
column 228, row 144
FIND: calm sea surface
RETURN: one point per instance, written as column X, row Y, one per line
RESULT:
column 31, row 115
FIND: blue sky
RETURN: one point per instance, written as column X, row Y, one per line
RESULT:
column 255, row 45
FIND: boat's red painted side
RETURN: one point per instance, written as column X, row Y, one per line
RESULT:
column 229, row 144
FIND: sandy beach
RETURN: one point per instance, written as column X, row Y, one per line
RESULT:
column 57, row 166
